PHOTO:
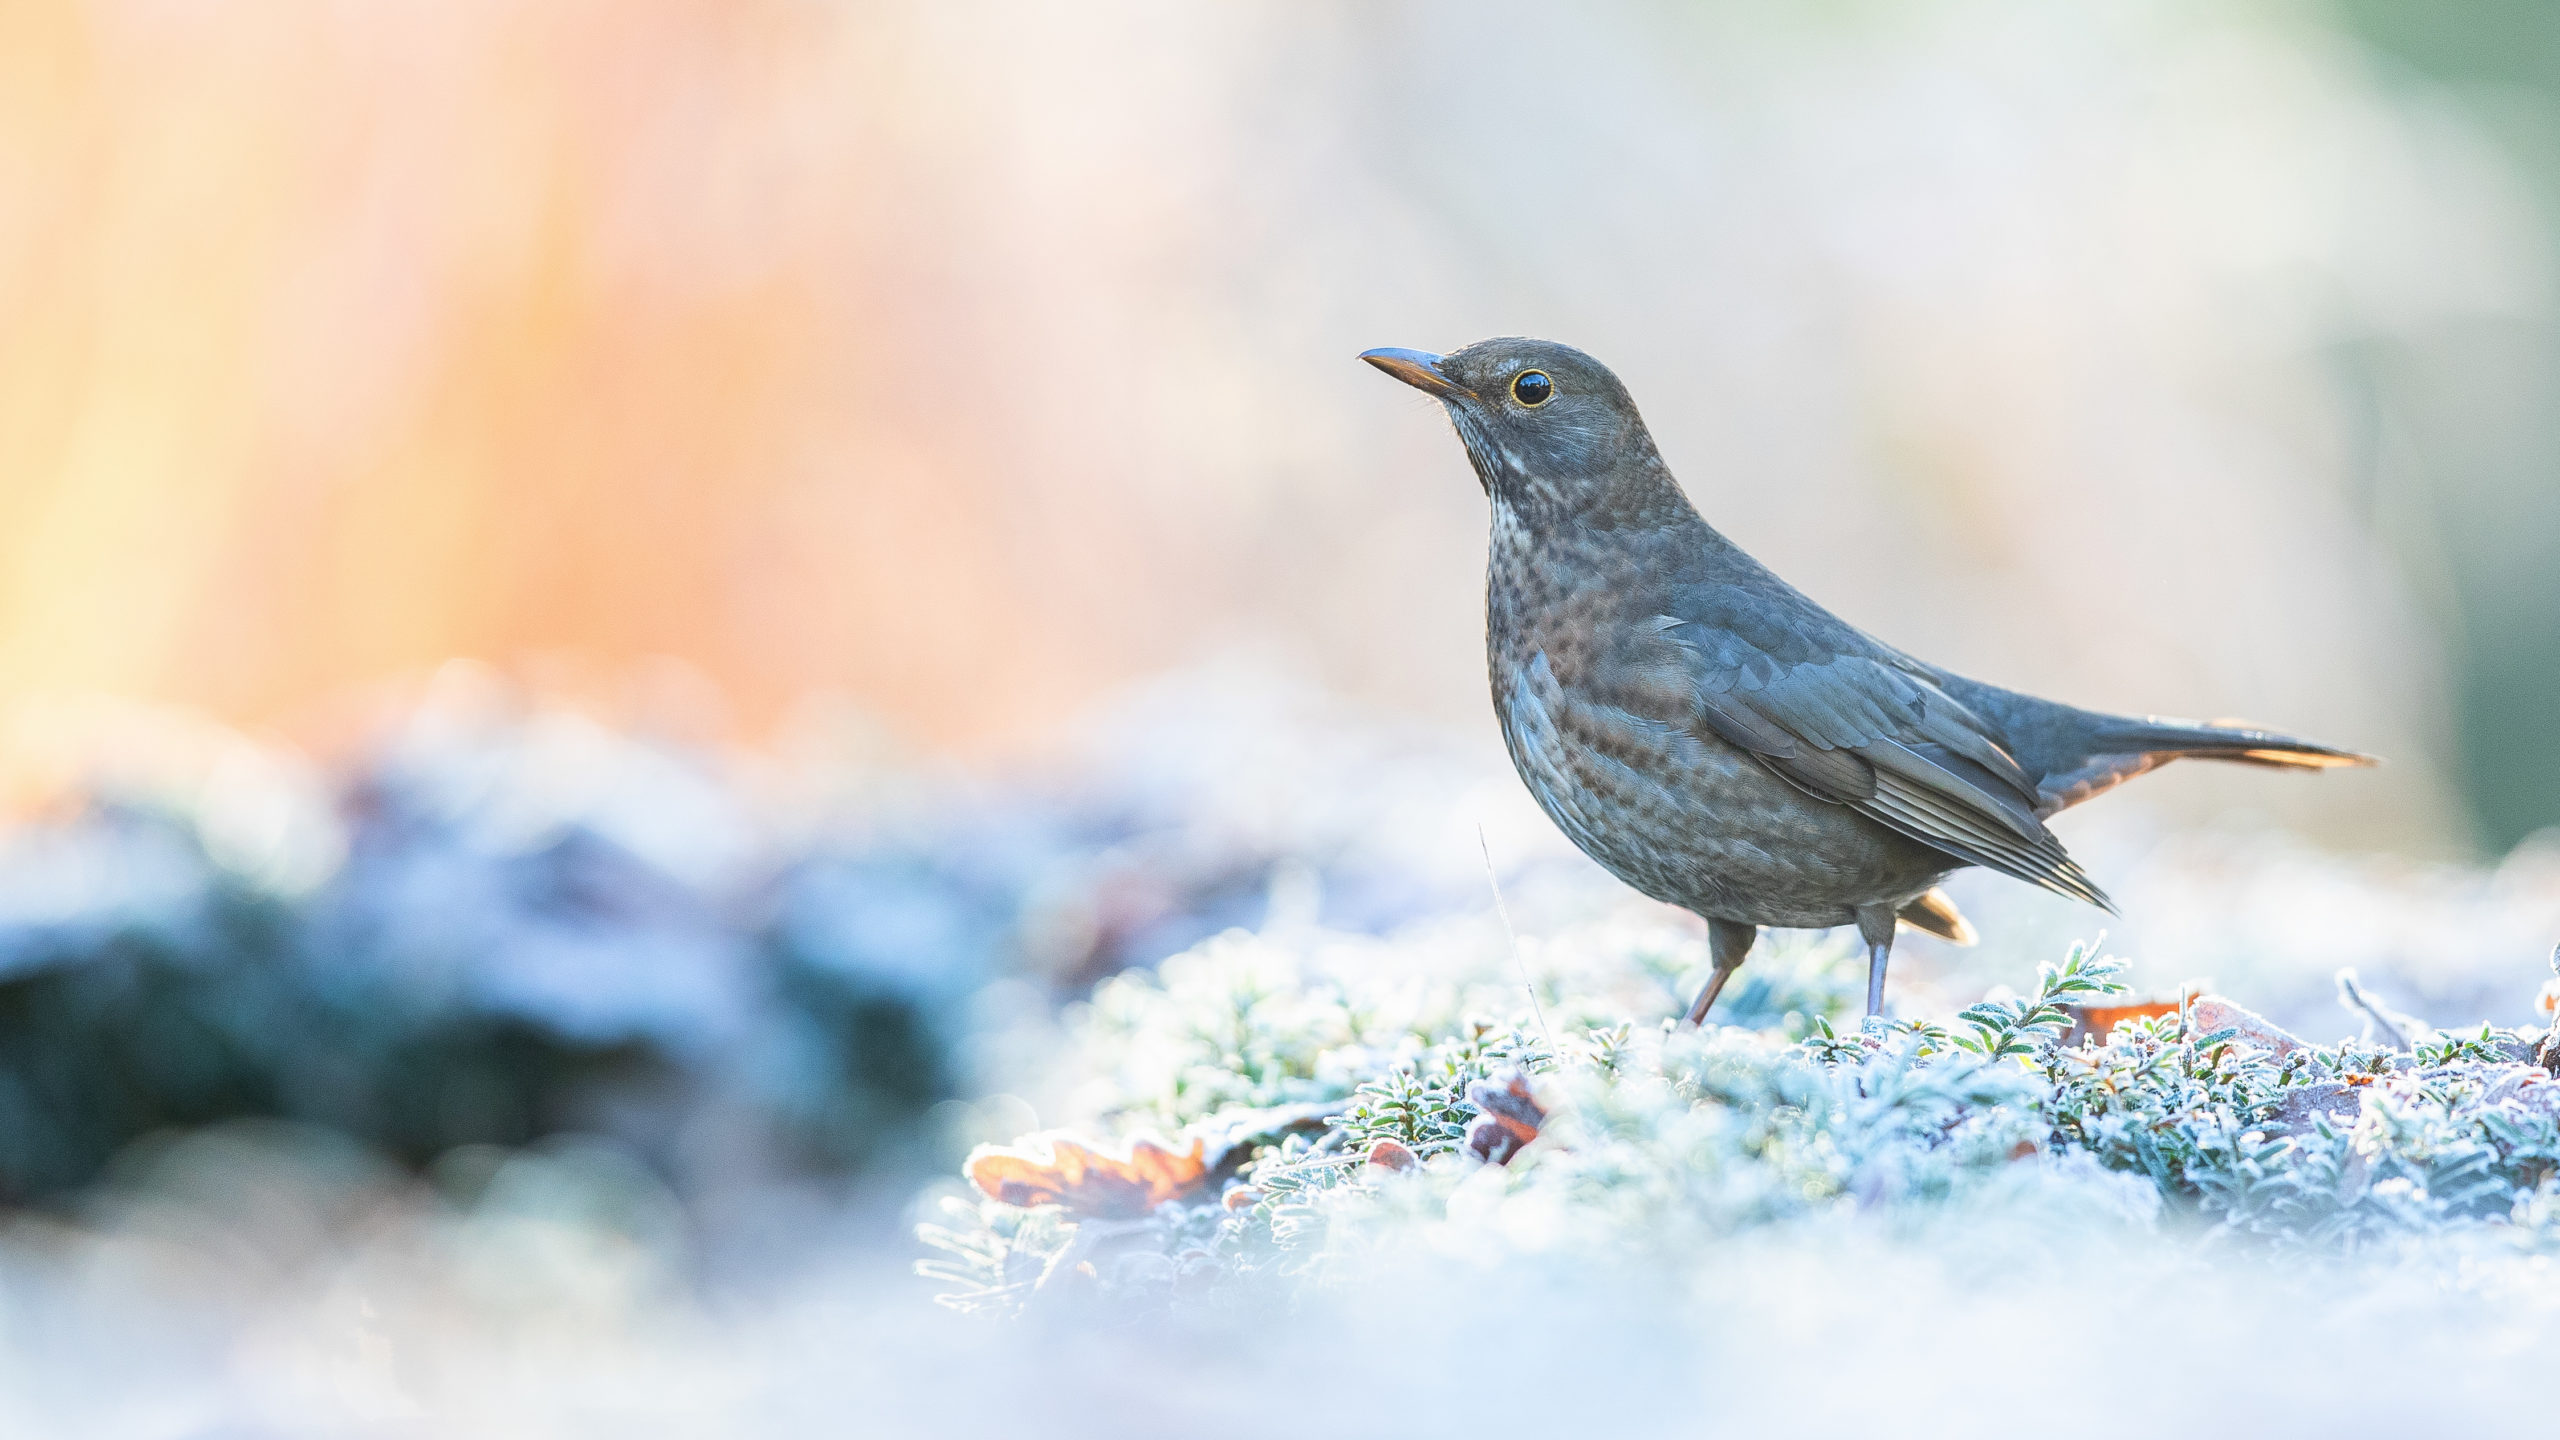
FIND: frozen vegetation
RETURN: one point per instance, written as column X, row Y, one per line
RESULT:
column 535, row 1077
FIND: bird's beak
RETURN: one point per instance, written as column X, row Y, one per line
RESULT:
column 1417, row 368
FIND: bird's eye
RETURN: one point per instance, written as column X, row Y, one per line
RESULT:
column 1532, row 388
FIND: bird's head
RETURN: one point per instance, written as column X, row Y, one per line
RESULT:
column 1545, row 425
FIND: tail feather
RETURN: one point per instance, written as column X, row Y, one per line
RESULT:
column 2231, row 740
column 2111, row 752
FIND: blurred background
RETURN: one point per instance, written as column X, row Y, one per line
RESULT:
column 966, row 361
column 585, row 589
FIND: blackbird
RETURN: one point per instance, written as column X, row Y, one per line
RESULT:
column 1719, row 741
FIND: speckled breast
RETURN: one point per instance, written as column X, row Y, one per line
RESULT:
column 1681, row 815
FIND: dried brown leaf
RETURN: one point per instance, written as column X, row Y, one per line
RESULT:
column 1511, row 1117
column 1058, row 1170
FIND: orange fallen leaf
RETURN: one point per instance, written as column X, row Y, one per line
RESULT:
column 1056, row 1170
column 2093, row 1022
column 2103, row 1018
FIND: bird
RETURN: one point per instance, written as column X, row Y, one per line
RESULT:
column 1716, row 739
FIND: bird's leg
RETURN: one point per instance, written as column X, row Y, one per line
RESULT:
column 1728, row 941
column 1875, row 926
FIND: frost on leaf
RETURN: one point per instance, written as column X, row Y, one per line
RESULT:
column 2214, row 1015
column 1510, row 1120
column 1392, row 1157
column 1055, row 1170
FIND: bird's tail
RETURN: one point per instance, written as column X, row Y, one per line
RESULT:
column 2228, row 740
column 2113, row 749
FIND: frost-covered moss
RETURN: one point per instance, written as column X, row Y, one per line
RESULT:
column 1659, row 1142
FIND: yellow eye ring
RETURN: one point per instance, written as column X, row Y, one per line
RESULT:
column 1532, row 388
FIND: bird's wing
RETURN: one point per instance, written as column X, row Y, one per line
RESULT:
column 1852, row 722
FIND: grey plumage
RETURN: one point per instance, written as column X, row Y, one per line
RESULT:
column 1715, row 738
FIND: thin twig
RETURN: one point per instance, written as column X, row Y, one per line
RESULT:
column 2404, row 1030
column 1485, row 848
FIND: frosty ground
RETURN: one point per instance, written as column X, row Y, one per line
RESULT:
column 683, row 1197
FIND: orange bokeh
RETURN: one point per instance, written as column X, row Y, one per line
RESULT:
column 337, row 340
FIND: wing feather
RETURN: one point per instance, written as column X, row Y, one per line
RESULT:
column 1871, row 731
